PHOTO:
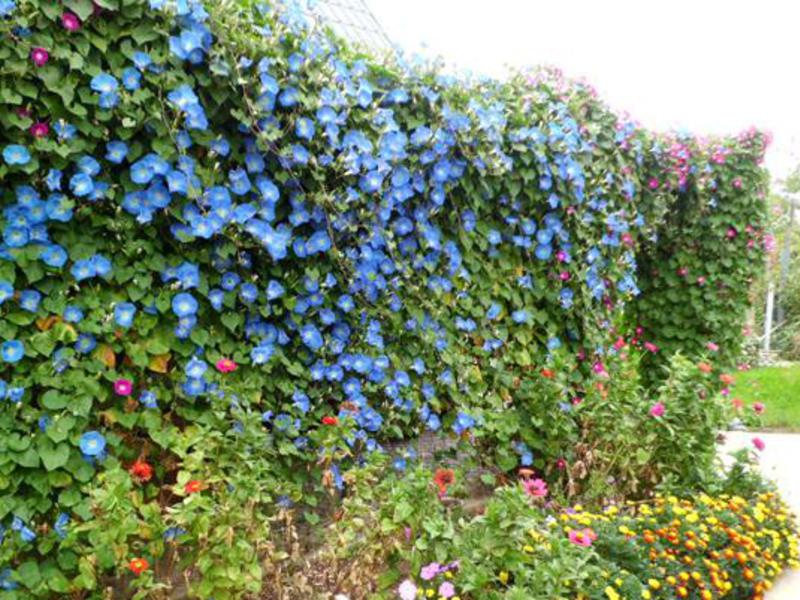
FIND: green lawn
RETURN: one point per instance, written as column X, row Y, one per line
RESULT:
column 778, row 388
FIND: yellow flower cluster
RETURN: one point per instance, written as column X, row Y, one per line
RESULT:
column 707, row 548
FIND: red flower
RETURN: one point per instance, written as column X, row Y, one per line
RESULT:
column 330, row 421
column 548, row 373
column 444, row 478
column 141, row 471
column 138, row 565
column 193, row 486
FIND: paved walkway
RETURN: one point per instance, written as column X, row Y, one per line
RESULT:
column 779, row 461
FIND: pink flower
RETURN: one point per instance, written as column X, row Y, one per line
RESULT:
column 561, row 256
column 70, row 21
column 657, row 410
column 446, row 590
column 407, row 590
column 561, row 464
column 683, row 272
column 535, row 487
column 564, row 276
column 758, row 407
column 731, row 233
column 759, row 443
column 584, row 537
column 123, row 387
column 226, row 365
column 653, row 184
column 430, row 571
column 40, row 129
column 712, row 346
column 650, row 347
column 737, row 183
column 701, row 280
column 40, row 56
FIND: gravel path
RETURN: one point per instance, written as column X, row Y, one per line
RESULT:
column 779, row 461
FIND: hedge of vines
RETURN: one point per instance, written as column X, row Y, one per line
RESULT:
column 226, row 235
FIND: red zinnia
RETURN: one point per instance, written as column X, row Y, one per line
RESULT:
column 444, row 478
column 330, row 421
column 141, row 470
column 226, row 365
column 138, row 565
column 193, row 486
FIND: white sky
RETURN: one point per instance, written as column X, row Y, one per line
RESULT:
column 709, row 66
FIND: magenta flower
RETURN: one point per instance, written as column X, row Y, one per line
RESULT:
column 40, row 56
column 759, row 443
column 40, row 130
column 650, row 347
column 758, row 407
column 123, row 387
column 653, row 184
column 657, row 410
column 585, row 537
column 70, row 21
column 447, row 590
column 226, row 365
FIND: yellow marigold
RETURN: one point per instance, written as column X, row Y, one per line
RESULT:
column 612, row 593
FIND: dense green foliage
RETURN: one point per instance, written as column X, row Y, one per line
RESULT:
column 364, row 252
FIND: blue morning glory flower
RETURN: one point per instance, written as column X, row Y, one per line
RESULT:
column 311, row 337
column 6, row 291
column 81, row 184
column 104, row 83
column 73, row 314
column 53, row 180
column 7, row 7
column 195, row 368
column 116, row 152
column 60, row 525
column 29, row 300
column 85, row 343
column 520, row 316
column 124, row 312
column 148, row 399
column 12, row 351
column 54, row 255
column 184, row 304
column 304, row 129
column 16, row 155
column 262, row 353
column 142, row 60
column 131, row 79
column 92, row 444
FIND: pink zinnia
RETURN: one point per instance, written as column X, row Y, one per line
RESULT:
column 657, row 410
column 70, row 21
column 430, row 571
column 123, row 387
column 759, row 443
column 535, row 487
column 226, row 365
column 407, row 590
column 758, row 407
column 447, row 590
column 650, row 347
column 584, row 537
column 40, row 129
column 40, row 56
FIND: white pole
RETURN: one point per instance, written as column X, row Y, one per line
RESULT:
column 768, row 319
